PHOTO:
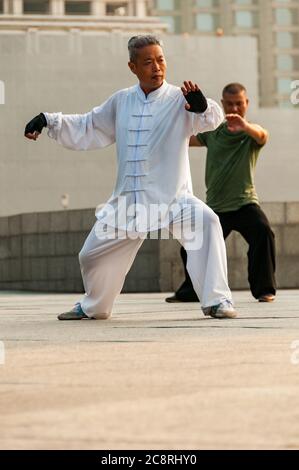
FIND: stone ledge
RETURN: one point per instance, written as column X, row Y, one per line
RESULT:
column 275, row 212
column 40, row 251
column 292, row 213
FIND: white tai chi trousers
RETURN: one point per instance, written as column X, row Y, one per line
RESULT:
column 105, row 262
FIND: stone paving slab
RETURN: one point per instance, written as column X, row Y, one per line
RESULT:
column 156, row 376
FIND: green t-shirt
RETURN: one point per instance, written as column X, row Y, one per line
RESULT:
column 231, row 161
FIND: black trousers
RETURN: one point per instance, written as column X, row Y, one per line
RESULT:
column 251, row 222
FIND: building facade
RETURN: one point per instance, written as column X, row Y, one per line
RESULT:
column 83, row 15
column 274, row 23
column 74, row 7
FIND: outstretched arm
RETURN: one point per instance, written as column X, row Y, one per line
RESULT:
column 34, row 128
column 236, row 123
column 89, row 131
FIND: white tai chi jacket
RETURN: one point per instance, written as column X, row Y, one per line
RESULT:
column 152, row 138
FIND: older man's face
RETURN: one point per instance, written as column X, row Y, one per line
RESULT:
column 150, row 67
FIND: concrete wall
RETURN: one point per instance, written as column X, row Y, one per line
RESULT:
column 72, row 72
column 40, row 252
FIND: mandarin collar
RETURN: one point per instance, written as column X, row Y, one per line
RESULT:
column 154, row 95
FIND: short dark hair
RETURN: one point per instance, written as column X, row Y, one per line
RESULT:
column 233, row 89
column 138, row 42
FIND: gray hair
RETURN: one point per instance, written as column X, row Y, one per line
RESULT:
column 138, row 42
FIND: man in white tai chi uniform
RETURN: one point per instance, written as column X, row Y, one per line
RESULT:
column 151, row 124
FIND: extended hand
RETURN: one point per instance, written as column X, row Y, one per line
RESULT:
column 34, row 128
column 236, row 123
column 196, row 101
column 187, row 88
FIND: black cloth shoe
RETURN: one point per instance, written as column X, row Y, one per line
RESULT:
column 266, row 298
column 174, row 299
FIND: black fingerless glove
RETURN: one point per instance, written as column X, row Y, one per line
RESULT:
column 36, row 124
column 197, row 101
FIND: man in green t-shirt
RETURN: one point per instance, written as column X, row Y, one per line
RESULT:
column 233, row 150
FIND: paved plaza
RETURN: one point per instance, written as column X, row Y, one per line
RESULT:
column 156, row 376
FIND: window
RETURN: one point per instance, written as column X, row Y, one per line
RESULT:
column 245, row 2
column 174, row 23
column 117, row 9
column 77, row 8
column 165, row 4
column 206, row 3
column 284, row 40
column 284, row 86
column 206, row 22
column 285, row 62
column 36, row 7
column 285, row 17
column 168, row 5
column 246, row 19
column 287, row 40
